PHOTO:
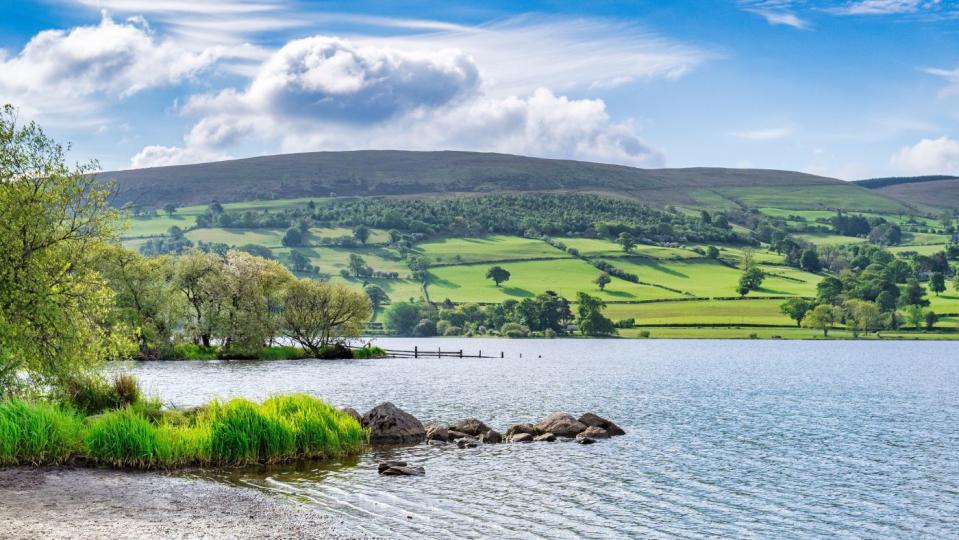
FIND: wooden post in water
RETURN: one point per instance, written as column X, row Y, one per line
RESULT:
column 461, row 353
column 416, row 351
column 501, row 354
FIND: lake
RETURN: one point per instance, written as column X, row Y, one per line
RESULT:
column 724, row 438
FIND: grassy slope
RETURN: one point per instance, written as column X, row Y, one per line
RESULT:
column 487, row 249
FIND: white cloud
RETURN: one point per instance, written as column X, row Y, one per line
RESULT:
column 328, row 94
column 59, row 69
column 160, row 156
column 950, row 75
column 882, row 7
column 768, row 134
column 776, row 12
column 929, row 156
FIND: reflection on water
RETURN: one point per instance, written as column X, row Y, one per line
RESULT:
column 770, row 439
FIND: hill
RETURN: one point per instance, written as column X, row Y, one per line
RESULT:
column 934, row 191
column 423, row 174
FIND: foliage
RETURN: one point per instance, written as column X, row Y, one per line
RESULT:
column 317, row 314
column 822, row 317
column 591, row 321
column 54, row 305
column 602, row 280
column 498, row 274
column 751, row 280
column 37, row 433
column 402, row 317
column 796, row 309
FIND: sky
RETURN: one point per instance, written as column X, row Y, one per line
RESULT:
column 843, row 88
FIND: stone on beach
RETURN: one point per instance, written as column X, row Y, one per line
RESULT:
column 521, row 438
column 388, row 424
column 491, row 437
column 593, row 432
column 545, row 437
column 521, row 428
column 437, row 432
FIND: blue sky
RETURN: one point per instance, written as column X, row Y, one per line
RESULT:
column 850, row 89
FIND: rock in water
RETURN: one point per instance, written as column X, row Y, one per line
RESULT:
column 402, row 470
column 521, row 428
column 353, row 412
column 388, row 424
column 593, row 432
column 436, row 432
column 584, row 440
column 561, row 424
column 467, row 442
column 491, row 437
column 521, row 438
column 545, row 437
column 384, row 465
column 593, row 420
column 470, row 426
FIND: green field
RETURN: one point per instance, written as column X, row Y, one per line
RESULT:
column 823, row 239
column 333, row 259
column 468, row 283
column 487, row 249
column 701, row 312
column 823, row 197
column 271, row 238
column 746, row 332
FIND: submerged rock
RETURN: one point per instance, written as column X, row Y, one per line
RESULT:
column 545, row 437
column 436, row 432
column 584, row 440
column 400, row 468
column 467, row 442
column 592, row 420
column 388, row 424
column 593, row 432
column 561, row 424
column 491, row 437
column 470, row 426
column 521, row 438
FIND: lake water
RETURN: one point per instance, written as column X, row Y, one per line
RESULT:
column 765, row 439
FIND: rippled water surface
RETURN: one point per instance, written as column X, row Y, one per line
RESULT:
column 724, row 438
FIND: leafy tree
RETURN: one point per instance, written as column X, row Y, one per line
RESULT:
column 626, row 240
column 829, row 291
column 712, row 252
column 931, row 319
column 863, row 316
column 937, row 282
column 602, row 280
column 170, row 209
column 377, row 295
column 300, row 262
column 915, row 315
column 293, row 237
column 54, row 304
column 358, row 267
column 591, row 321
column 258, row 250
column 914, row 294
column 361, row 233
column 402, row 317
column 318, row 314
column 498, row 274
column 822, row 317
column 199, row 277
column 425, row 328
column 751, row 280
column 796, row 309
column 251, row 298
column 955, row 281
column 809, row 261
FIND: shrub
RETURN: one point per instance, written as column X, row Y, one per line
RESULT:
column 514, row 330
column 126, row 389
column 368, row 352
column 441, row 327
column 644, row 333
column 549, row 333
column 425, row 328
column 37, row 434
column 192, row 351
column 453, row 331
column 92, row 394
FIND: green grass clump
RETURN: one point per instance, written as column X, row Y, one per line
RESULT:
column 365, row 353
column 192, row 351
column 37, row 433
column 126, row 438
column 241, row 434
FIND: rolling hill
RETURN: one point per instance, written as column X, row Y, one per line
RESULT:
column 933, row 191
column 426, row 174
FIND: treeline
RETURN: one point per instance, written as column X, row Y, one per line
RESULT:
column 545, row 315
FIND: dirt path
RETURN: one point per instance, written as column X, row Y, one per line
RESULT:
column 93, row 503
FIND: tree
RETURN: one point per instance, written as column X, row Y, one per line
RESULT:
column 915, row 315
column 809, row 261
column 402, row 317
column 299, row 262
column 251, row 298
column 377, row 295
column 591, row 321
column 54, row 304
column 361, row 233
column 712, row 252
column 796, row 309
column 955, row 281
column 293, row 237
column 170, row 209
column 751, row 280
column 822, row 317
column 914, row 294
column 199, row 277
column 937, row 282
column 627, row 241
column 862, row 316
column 829, row 291
column 318, row 314
column 498, row 274
column 931, row 319
column 602, row 280
column 358, row 267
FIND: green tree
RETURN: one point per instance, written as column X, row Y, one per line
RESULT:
column 170, row 209
column 751, row 280
column 293, row 237
column 822, row 317
column 358, row 266
column 299, row 262
column 498, row 274
column 602, row 280
column 377, row 295
column 361, row 233
column 402, row 317
column 809, row 261
column 318, row 314
column 863, row 316
column 937, row 282
column 931, row 319
column 712, row 252
column 591, row 321
column 251, row 299
column 914, row 294
column 915, row 315
column 627, row 241
column 54, row 303
column 796, row 309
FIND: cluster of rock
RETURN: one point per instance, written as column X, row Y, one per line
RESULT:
column 388, row 424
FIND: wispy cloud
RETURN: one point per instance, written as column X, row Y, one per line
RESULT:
column 882, row 7
column 776, row 12
column 950, row 75
column 767, row 134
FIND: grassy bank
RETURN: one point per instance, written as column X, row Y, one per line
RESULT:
column 232, row 433
column 190, row 351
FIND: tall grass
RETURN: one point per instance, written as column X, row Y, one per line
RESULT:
column 38, row 433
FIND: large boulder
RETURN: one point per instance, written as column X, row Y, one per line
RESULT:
column 353, row 413
column 593, row 420
column 545, row 437
column 388, row 424
column 521, row 438
column 491, row 437
column 561, row 424
column 594, row 432
column 436, row 432
column 470, row 426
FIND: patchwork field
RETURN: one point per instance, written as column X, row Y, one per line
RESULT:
column 702, row 312
column 487, row 249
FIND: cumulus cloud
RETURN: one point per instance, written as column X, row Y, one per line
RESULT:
column 59, row 68
column 160, row 156
column 929, row 156
column 324, row 93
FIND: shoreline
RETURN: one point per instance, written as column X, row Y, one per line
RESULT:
column 74, row 502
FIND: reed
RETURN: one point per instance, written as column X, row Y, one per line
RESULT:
column 38, row 433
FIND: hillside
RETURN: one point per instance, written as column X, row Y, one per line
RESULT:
column 933, row 191
column 402, row 173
